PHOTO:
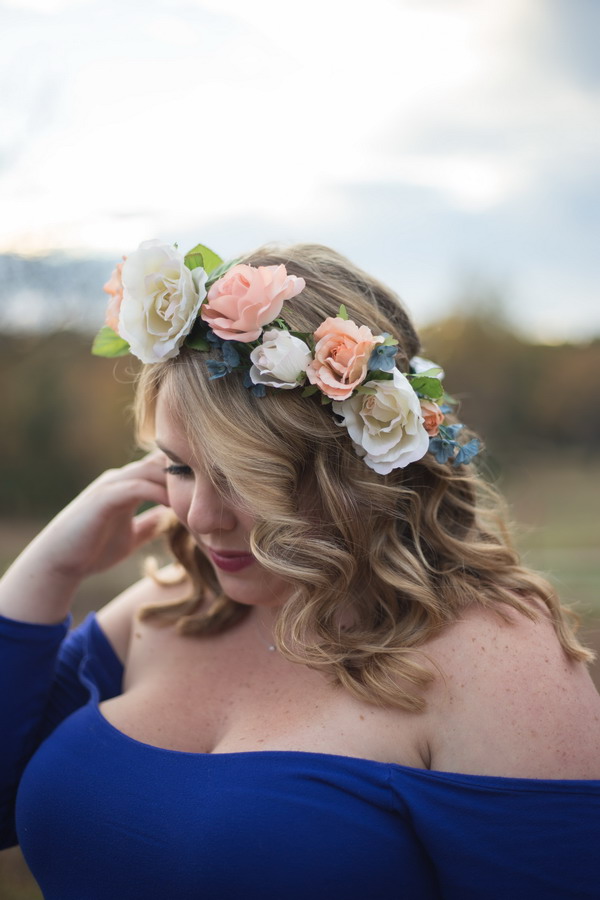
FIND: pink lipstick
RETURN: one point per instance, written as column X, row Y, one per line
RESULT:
column 230, row 560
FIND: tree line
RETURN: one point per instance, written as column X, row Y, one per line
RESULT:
column 67, row 414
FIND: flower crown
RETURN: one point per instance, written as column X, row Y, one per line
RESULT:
column 162, row 300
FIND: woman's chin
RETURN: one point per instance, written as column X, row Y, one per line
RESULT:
column 253, row 590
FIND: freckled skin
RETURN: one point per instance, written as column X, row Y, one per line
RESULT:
column 504, row 699
column 505, row 681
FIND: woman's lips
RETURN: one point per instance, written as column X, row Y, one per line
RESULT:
column 230, row 560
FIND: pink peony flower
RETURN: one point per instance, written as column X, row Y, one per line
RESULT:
column 432, row 417
column 341, row 356
column 114, row 287
column 246, row 298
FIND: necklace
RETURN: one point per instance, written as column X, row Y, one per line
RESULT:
column 269, row 645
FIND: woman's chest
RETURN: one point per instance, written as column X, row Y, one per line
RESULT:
column 230, row 693
column 102, row 816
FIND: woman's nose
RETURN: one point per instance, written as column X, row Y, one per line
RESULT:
column 208, row 510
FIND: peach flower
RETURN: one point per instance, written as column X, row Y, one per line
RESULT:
column 114, row 287
column 341, row 357
column 432, row 417
column 246, row 298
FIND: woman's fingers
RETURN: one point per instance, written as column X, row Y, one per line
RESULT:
column 134, row 491
column 148, row 524
column 135, row 483
column 151, row 467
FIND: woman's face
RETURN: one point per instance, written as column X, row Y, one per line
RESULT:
column 218, row 525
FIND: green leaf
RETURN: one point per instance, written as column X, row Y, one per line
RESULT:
column 310, row 390
column 221, row 270
column 427, row 386
column 302, row 336
column 343, row 313
column 380, row 375
column 325, row 400
column 108, row 343
column 197, row 342
column 451, row 401
column 431, row 373
column 194, row 261
column 281, row 324
column 202, row 256
column 391, row 342
column 363, row 389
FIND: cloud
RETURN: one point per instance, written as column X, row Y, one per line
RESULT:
column 424, row 138
column 569, row 40
column 42, row 7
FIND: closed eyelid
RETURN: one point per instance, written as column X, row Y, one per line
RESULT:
column 178, row 469
column 169, row 453
column 214, row 475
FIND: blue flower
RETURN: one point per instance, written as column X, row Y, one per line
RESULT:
column 442, row 449
column 467, row 452
column 214, row 339
column 382, row 358
column 259, row 390
column 450, row 432
column 229, row 361
column 445, row 447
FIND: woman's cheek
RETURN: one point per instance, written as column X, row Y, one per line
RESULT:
column 178, row 500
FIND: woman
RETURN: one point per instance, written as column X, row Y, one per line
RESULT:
column 282, row 712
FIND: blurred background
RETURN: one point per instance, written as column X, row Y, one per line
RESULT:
column 448, row 146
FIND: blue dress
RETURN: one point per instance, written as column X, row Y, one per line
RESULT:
column 101, row 816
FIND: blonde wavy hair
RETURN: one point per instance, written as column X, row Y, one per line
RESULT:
column 399, row 556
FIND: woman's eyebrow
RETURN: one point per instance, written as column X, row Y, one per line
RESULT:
column 168, row 452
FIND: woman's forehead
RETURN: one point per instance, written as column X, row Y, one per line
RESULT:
column 169, row 429
column 173, row 436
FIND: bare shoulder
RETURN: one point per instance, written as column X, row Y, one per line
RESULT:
column 117, row 617
column 508, row 701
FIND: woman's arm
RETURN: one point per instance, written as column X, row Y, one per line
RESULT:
column 94, row 532
column 509, row 702
column 39, row 667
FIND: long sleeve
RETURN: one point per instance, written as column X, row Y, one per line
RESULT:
column 28, row 655
column 496, row 837
column 40, row 685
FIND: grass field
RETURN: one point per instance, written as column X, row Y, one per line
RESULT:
column 556, row 504
column 557, row 508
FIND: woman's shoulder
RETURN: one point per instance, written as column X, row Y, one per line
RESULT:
column 170, row 583
column 508, row 701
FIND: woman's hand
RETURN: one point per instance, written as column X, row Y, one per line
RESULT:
column 98, row 528
column 95, row 531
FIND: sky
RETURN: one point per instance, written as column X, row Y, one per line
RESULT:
column 450, row 147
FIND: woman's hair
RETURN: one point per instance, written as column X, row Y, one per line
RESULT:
column 395, row 557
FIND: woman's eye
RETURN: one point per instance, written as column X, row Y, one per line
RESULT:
column 180, row 471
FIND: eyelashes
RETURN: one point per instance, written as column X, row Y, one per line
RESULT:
column 179, row 471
